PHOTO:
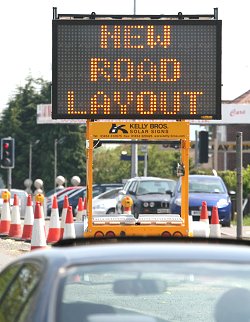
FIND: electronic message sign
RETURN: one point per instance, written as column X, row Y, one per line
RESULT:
column 136, row 69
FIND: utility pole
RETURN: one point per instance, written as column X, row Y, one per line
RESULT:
column 239, row 184
column 134, row 147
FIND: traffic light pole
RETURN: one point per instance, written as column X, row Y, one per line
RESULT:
column 9, row 178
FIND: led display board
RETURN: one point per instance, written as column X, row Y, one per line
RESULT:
column 136, row 69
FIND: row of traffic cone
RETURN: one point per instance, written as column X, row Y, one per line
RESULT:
column 56, row 232
column 10, row 225
column 203, row 228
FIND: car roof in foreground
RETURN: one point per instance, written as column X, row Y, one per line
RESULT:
column 151, row 178
column 84, row 251
column 198, row 176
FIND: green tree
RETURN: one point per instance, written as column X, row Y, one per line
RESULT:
column 162, row 162
column 108, row 167
column 19, row 121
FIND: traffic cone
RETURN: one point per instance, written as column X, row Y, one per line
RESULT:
column 204, row 214
column 15, row 225
column 69, row 229
column 38, row 238
column 28, row 220
column 81, row 209
column 201, row 227
column 63, row 216
column 215, row 228
column 5, row 218
column 54, row 225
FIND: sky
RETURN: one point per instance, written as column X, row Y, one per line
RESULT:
column 26, row 36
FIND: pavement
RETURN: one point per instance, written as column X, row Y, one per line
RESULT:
column 231, row 232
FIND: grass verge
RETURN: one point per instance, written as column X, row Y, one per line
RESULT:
column 246, row 220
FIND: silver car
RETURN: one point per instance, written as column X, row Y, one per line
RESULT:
column 129, row 280
column 105, row 203
column 22, row 197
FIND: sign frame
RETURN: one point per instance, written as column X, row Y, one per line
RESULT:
column 58, row 83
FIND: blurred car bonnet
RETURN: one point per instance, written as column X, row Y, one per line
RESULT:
column 129, row 280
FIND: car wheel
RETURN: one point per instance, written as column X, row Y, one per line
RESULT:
column 111, row 211
column 226, row 224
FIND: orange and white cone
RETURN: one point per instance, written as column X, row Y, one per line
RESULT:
column 204, row 213
column 215, row 227
column 81, row 209
column 54, row 225
column 15, row 225
column 69, row 229
column 5, row 218
column 38, row 238
column 63, row 216
column 28, row 220
column 201, row 227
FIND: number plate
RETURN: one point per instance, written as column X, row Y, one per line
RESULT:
column 197, row 213
column 163, row 211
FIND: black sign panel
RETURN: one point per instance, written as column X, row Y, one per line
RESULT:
column 136, row 69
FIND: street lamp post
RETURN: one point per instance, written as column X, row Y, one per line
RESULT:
column 55, row 162
column 56, row 142
column 30, row 161
column 30, row 157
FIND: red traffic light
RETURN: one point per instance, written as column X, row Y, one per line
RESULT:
column 7, row 152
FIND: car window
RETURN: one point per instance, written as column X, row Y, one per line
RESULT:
column 21, row 281
column 96, row 191
column 127, row 184
column 110, row 194
column 155, row 292
column 133, row 187
column 205, row 185
column 154, row 186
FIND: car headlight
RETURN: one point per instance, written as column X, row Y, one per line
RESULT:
column 178, row 201
column 145, row 204
column 222, row 203
column 152, row 204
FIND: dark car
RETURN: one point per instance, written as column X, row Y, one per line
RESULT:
column 151, row 195
column 129, row 281
column 60, row 194
column 80, row 192
column 209, row 188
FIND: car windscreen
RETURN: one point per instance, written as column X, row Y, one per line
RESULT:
column 154, row 186
column 155, row 292
column 205, row 185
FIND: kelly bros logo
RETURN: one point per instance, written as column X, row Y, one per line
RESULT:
column 116, row 128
